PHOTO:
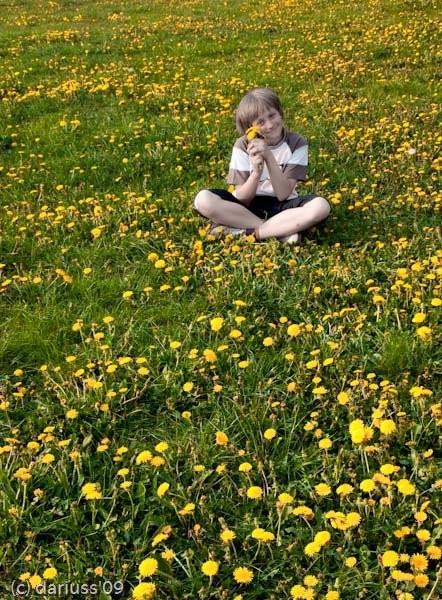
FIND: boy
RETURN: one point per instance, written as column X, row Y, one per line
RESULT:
column 264, row 172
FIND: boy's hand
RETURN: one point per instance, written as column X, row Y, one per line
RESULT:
column 256, row 150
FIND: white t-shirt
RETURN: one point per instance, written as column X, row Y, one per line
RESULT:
column 291, row 154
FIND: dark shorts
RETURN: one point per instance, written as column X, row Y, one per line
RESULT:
column 264, row 207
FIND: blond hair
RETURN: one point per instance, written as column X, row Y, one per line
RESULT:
column 253, row 104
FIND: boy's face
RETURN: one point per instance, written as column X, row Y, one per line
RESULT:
column 270, row 125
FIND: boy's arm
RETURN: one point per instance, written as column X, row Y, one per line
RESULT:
column 247, row 191
column 282, row 185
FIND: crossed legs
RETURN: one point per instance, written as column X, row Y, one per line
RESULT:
column 287, row 222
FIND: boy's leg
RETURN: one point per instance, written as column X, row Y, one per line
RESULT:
column 294, row 220
column 225, row 212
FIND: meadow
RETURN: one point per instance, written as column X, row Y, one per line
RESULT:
column 184, row 417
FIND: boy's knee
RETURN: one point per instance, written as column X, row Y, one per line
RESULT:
column 202, row 202
column 323, row 207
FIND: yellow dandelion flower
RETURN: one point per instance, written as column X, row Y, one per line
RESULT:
column 168, row 554
column 72, row 414
column 401, row 533
column 269, row 434
column 33, row 445
column 320, row 391
column 95, row 495
column 322, row 537
column 161, row 446
column 262, row 535
column 387, row 426
column 160, row 537
column 325, row 444
column 353, row 519
column 423, row 535
column 209, row 355
column 48, row 458
column 235, row 333
column 293, row 330
column 298, row 591
column 343, row 398
column 88, row 488
column 303, row 511
column 350, row 562
column 388, row 469
column 367, row 485
column 284, row 499
column 243, row 575
column 345, row 489
column 143, row 457
column 188, row 386
column 390, row 558
column 190, row 507
column 254, row 492
column 253, row 132
column 312, row 548
column 216, row 323
column 268, row 341
column 50, row 573
column 419, row 318
column 421, row 580
column 420, row 516
column 148, row 567
column 227, row 535
column 221, row 438
column 245, row 467
column 434, row 552
column 35, row 580
column 419, row 562
column 405, row 487
column 163, row 488
column 210, row 568
column 144, row 591
column 322, row 489
column 310, row 580
column 359, row 432
column 424, row 333
column 332, row 595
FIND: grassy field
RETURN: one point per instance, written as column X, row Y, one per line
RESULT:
column 190, row 418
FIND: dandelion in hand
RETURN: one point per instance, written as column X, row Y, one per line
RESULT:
column 253, row 132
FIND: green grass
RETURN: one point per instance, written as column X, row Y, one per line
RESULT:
column 326, row 368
